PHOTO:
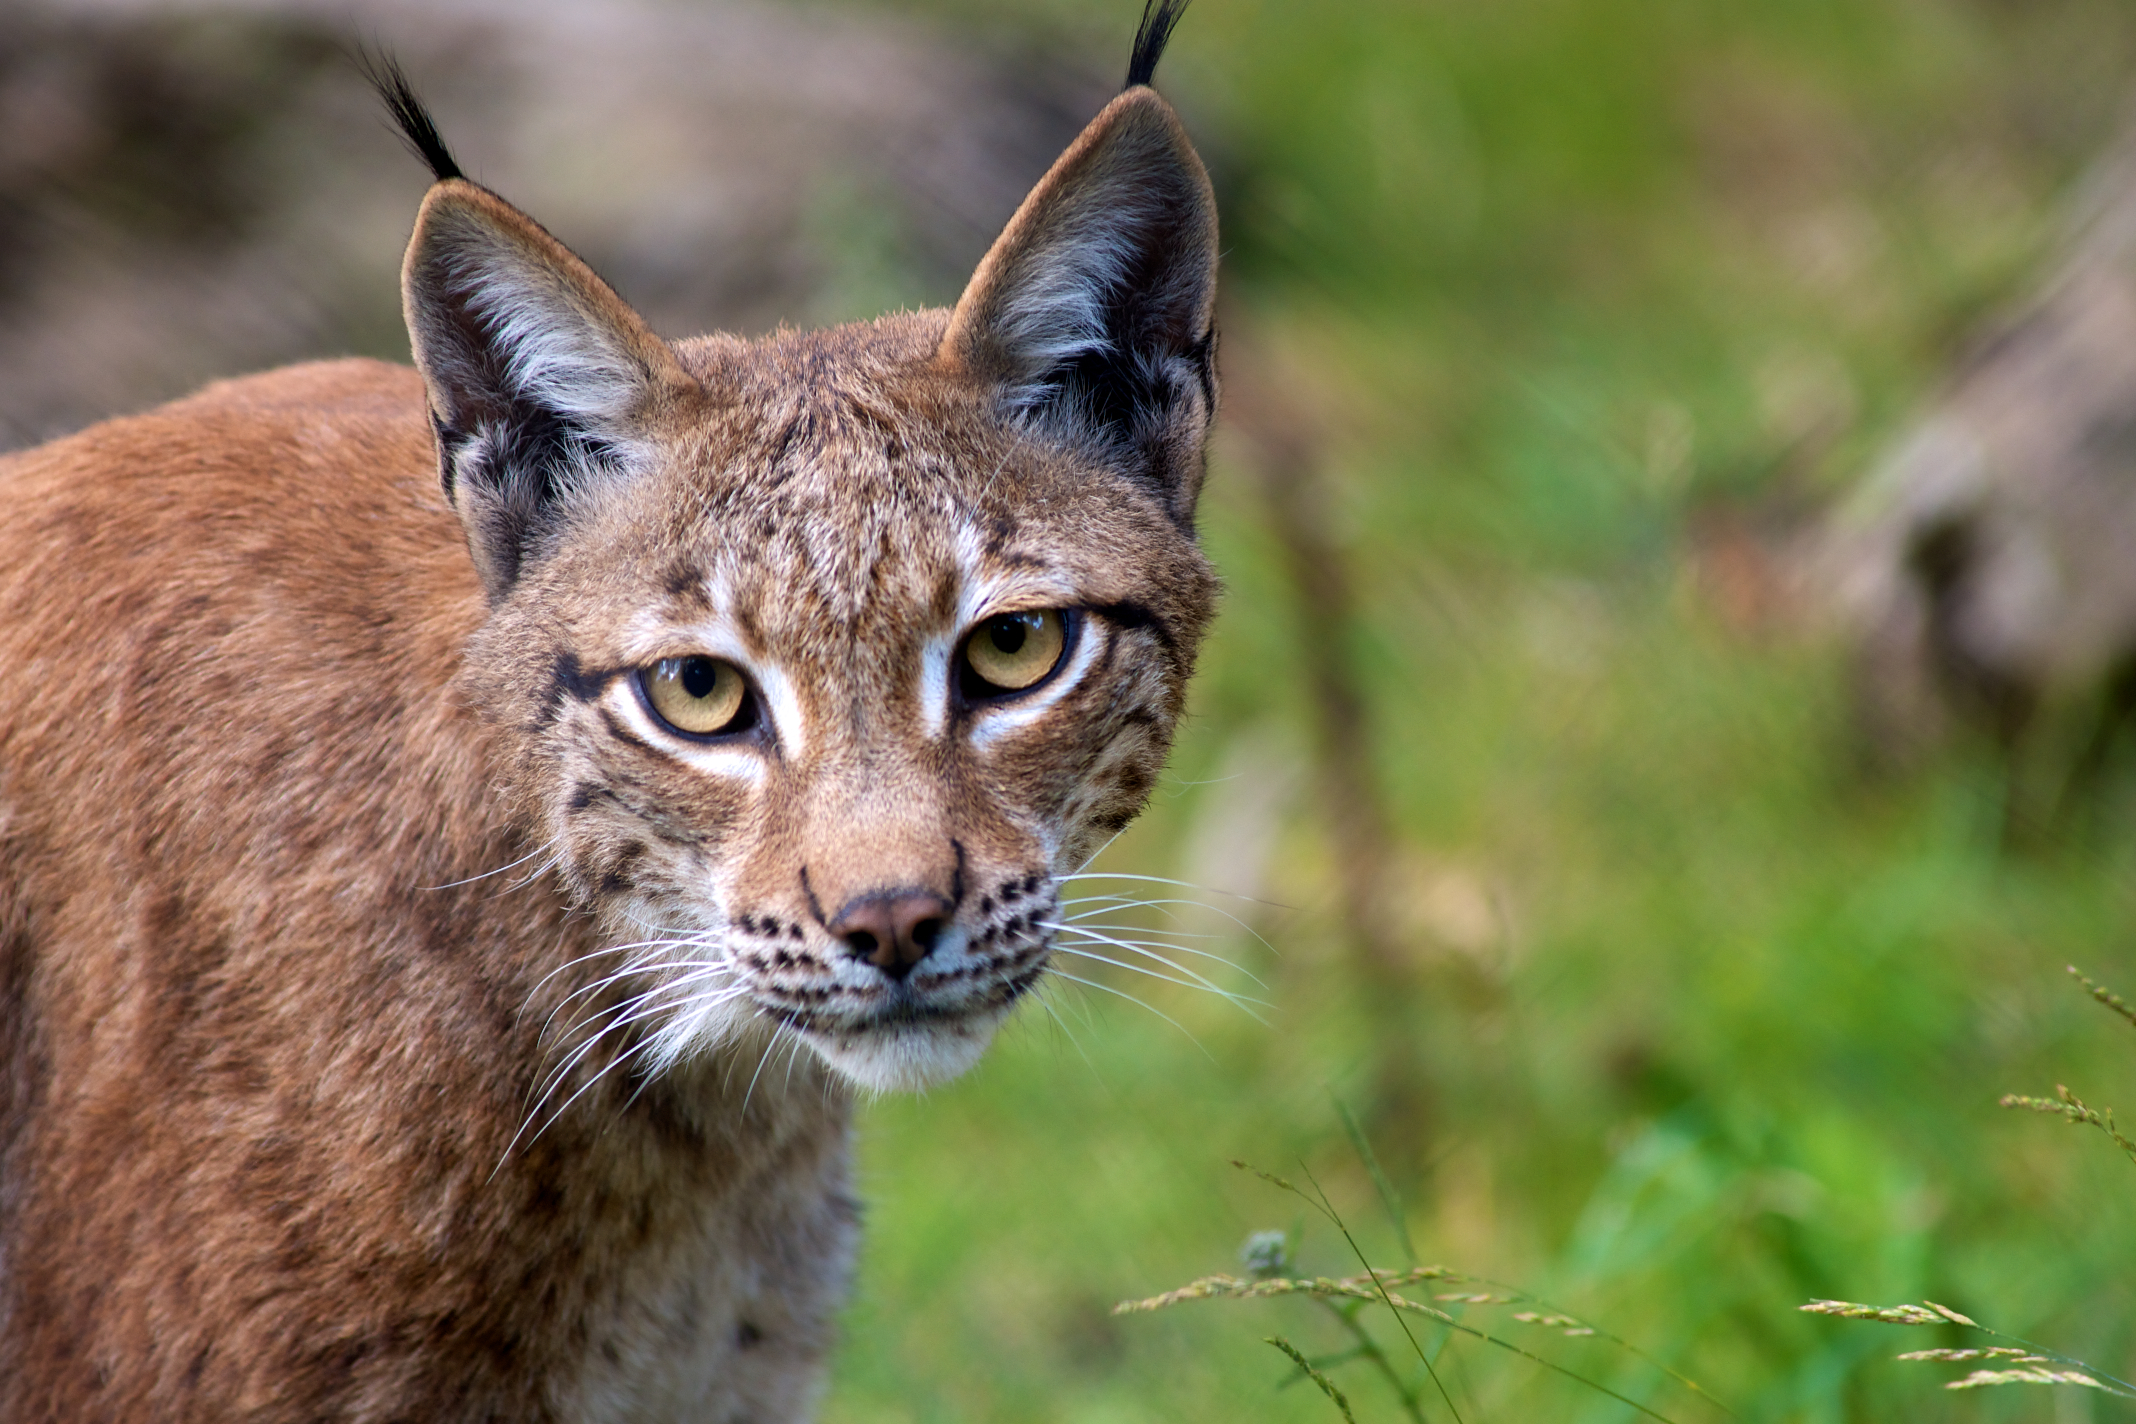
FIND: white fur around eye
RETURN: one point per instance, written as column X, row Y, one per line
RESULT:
column 737, row 760
column 935, row 657
column 984, row 590
column 779, row 704
column 999, row 719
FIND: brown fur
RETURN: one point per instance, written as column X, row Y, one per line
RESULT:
column 331, row 1083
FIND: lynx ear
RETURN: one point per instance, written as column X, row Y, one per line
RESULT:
column 543, row 383
column 1094, row 311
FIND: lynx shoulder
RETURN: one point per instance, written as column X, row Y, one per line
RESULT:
column 430, row 798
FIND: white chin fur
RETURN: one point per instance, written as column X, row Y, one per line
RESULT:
column 906, row 1057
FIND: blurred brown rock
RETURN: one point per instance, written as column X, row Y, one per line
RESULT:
column 1988, row 567
column 189, row 189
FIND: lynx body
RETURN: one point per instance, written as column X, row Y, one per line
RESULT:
column 466, row 832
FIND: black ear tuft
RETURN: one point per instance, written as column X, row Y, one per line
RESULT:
column 1151, row 36
column 417, row 129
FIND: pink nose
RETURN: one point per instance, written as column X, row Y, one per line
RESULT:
column 893, row 930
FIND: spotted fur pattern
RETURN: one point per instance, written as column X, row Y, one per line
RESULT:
column 402, row 1020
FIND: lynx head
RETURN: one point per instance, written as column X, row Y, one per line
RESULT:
column 817, row 659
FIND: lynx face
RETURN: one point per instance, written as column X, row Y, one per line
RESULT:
column 820, row 659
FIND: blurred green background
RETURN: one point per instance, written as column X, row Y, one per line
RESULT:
column 1680, row 1015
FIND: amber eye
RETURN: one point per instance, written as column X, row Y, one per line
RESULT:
column 1013, row 651
column 701, row 696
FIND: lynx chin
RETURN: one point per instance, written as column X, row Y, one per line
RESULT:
column 429, row 798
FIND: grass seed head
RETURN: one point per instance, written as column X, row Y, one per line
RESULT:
column 1979, row 1378
column 1889, row 1314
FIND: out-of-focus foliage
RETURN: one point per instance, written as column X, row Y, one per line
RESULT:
column 1586, row 300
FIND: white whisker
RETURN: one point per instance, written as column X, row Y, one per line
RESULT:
column 531, row 876
column 654, row 1001
column 1125, row 902
column 668, row 929
column 630, row 1011
column 1123, row 994
column 642, row 1009
column 1081, row 1005
column 554, row 1079
column 1156, row 936
column 1148, row 951
column 1105, row 903
column 1046, row 1003
column 456, row 884
column 1113, row 904
column 1238, row 1002
column 602, row 953
column 1166, row 880
column 1096, row 958
column 546, row 1090
column 643, row 1083
column 777, row 1028
column 565, row 1106
column 632, row 971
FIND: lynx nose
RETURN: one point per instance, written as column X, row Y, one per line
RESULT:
column 893, row 930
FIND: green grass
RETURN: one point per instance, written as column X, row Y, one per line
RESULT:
column 1728, row 1033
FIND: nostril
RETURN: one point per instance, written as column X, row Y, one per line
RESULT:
column 893, row 930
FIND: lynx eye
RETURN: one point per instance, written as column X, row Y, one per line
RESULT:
column 700, row 696
column 1012, row 651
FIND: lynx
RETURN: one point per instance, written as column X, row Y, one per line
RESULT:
column 429, row 797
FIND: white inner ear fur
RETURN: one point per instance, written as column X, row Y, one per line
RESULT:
column 1059, row 292
column 555, row 354
column 578, row 472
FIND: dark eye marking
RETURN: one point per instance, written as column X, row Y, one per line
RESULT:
column 568, row 678
column 1137, row 615
column 616, row 876
column 618, row 729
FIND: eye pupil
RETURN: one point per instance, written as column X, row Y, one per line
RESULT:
column 699, row 677
column 1008, row 634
